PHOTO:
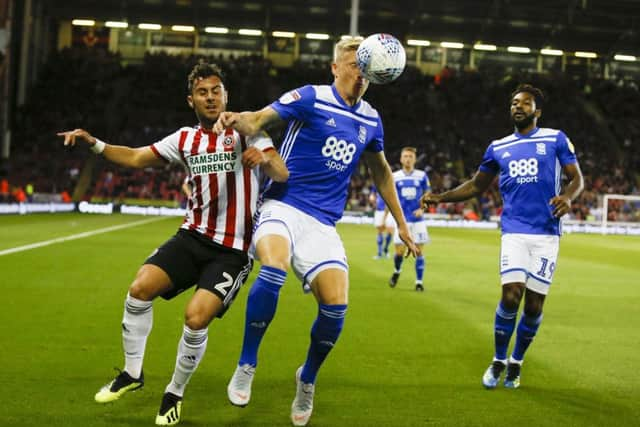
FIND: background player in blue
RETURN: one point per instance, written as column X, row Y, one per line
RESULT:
column 383, row 222
column 530, row 163
column 329, row 128
column 410, row 185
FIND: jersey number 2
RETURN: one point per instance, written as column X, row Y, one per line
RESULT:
column 224, row 287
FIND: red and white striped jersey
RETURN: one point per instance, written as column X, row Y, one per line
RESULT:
column 224, row 193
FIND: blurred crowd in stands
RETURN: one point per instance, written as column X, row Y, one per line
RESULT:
column 450, row 119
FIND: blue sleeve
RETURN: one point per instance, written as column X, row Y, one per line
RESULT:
column 295, row 104
column 376, row 144
column 564, row 150
column 489, row 163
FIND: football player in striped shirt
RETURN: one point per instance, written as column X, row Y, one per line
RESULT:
column 329, row 128
column 210, row 248
column 530, row 163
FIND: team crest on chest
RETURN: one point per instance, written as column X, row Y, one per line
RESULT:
column 541, row 148
column 228, row 141
column 362, row 134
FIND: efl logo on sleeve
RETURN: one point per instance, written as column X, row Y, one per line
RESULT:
column 290, row 97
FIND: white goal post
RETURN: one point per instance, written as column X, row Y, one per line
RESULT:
column 605, row 207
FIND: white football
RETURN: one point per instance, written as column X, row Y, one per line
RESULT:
column 381, row 58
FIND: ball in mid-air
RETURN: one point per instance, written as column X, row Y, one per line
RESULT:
column 381, row 58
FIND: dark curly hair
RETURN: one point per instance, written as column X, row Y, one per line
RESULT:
column 202, row 70
column 533, row 91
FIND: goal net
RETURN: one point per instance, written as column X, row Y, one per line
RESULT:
column 621, row 214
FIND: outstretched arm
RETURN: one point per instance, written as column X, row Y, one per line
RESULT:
column 383, row 179
column 248, row 122
column 125, row 156
column 468, row 189
column 562, row 203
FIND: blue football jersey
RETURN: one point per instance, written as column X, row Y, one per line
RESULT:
column 410, row 187
column 530, row 168
column 321, row 148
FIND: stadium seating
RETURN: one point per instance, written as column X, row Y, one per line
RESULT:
column 450, row 120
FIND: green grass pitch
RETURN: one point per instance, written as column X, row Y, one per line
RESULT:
column 404, row 358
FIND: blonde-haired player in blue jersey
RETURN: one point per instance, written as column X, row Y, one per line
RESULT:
column 530, row 163
column 410, row 185
column 329, row 128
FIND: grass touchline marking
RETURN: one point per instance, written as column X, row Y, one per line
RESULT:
column 77, row 236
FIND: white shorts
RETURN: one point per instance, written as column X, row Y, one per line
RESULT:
column 418, row 231
column 314, row 246
column 529, row 259
column 388, row 222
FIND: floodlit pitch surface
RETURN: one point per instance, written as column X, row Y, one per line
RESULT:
column 404, row 358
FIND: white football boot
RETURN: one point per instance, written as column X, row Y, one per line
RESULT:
column 239, row 388
column 302, row 405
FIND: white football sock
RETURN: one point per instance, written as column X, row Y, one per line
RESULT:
column 136, row 326
column 190, row 351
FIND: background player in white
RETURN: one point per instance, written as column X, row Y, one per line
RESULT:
column 530, row 163
column 329, row 128
column 209, row 249
column 383, row 222
column 410, row 185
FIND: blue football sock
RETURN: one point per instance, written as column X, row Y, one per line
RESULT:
column 527, row 329
column 324, row 334
column 387, row 241
column 504, row 325
column 420, row 264
column 397, row 262
column 379, row 242
column 261, row 307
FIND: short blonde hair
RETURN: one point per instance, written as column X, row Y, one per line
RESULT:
column 346, row 45
column 410, row 149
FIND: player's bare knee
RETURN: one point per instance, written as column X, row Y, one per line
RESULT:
column 197, row 319
column 273, row 262
column 512, row 295
column 278, row 258
column 139, row 289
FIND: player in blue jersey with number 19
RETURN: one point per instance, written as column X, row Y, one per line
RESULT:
column 530, row 163
column 329, row 128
